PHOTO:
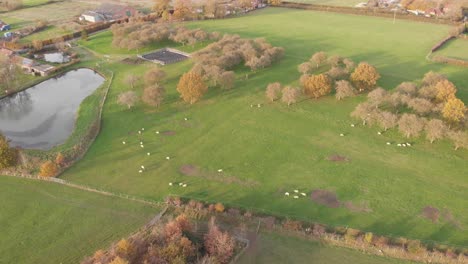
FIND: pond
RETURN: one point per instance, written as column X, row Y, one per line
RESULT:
column 44, row 115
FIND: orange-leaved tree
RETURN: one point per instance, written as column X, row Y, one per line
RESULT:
column 365, row 76
column 317, row 85
column 454, row 110
column 191, row 87
column 48, row 169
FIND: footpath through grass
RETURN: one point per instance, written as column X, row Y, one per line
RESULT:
column 281, row 148
column 45, row 222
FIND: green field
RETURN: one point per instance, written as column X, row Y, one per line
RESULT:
column 274, row 248
column 331, row 2
column 457, row 49
column 281, row 148
column 48, row 223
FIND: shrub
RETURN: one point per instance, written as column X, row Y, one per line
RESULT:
column 219, row 207
column 48, row 169
column 368, row 237
column 292, row 225
column 351, row 234
column 414, row 246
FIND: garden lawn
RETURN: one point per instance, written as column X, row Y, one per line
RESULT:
column 45, row 222
column 457, row 49
column 279, row 148
column 277, row 248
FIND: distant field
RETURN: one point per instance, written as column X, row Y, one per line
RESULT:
column 31, row 3
column 273, row 248
column 330, row 2
column 49, row 32
column 457, row 48
column 49, row 223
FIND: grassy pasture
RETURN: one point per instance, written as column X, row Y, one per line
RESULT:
column 457, row 49
column 331, row 2
column 281, row 148
column 49, row 223
column 276, row 248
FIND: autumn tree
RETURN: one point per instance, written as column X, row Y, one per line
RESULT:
column 161, row 5
column 411, row 125
column 305, row 68
column 365, row 76
column 191, row 87
column 454, row 110
column 317, row 85
column 182, row 9
column 60, row 159
column 9, row 73
column 219, row 244
column 387, row 120
column 154, row 75
column 128, row 98
column 318, row 58
column 445, row 90
column 153, row 95
column 290, row 95
column 273, row 91
column 8, row 156
column 344, row 89
column 459, row 138
column 435, row 129
column 274, row 2
column 48, row 169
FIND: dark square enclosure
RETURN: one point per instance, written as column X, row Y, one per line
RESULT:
column 165, row 56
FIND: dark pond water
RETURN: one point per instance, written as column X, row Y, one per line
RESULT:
column 44, row 115
column 56, row 57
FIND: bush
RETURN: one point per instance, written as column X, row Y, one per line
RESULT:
column 219, row 207
column 48, row 169
column 368, row 237
column 414, row 246
column 292, row 225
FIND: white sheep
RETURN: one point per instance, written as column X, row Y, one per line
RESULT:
column 157, row 132
column 408, row 144
column 353, row 125
column 170, row 184
column 181, row 183
column 259, row 105
column 140, row 171
column 123, row 142
column 303, row 194
column 139, row 132
column 388, row 143
column 399, row 144
column 286, row 193
column 296, row 197
column 379, row 133
column 403, row 145
column 185, row 119
column 220, row 170
column 185, row 185
column 143, row 167
column 168, row 158
column 142, row 129
column 251, row 105
column 148, row 154
column 341, row 135
column 142, row 146
column 296, row 191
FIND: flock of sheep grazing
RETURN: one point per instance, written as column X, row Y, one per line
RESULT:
column 406, row 144
column 142, row 167
column 295, row 194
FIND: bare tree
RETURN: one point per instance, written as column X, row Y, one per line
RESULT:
column 407, row 88
column 431, row 78
column 128, row 98
column 318, row 58
column 273, row 91
column 335, row 60
column 344, row 89
column 411, row 125
column 459, row 138
column 428, row 92
column 153, row 95
column 290, row 95
column 305, row 68
column 154, row 75
column 387, row 120
column 435, row 129
column 227, row 79
column 421, row 105
column 377, row 97
column 131, row 79
column 337, row 73
column 349, row 64
column 363, row 111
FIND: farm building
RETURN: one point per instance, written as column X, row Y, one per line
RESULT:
column 108, row 12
